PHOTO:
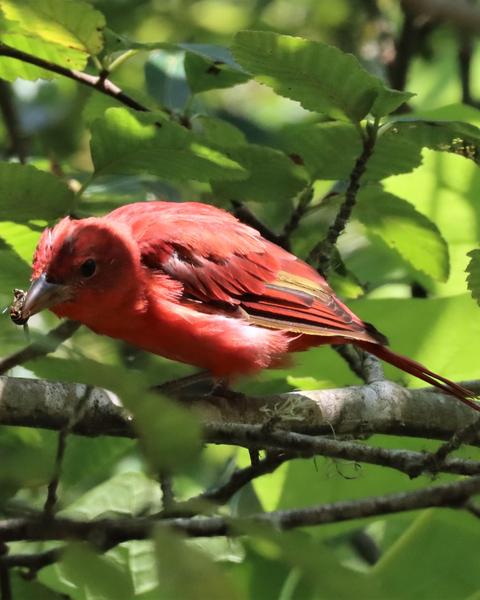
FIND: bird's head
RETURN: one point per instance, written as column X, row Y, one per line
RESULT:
column 80, row 266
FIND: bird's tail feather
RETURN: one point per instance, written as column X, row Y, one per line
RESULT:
column 418, row 370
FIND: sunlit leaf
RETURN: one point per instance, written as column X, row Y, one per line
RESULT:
column 73, row 24
column 411, row 234
column 122, row 144
column 64, row 32
column 322, row 78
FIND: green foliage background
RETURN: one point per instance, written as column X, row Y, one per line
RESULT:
column 250, row 110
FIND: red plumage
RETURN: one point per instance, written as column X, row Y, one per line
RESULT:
column 189, row 282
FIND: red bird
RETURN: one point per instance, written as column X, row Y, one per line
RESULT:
column 191, row 283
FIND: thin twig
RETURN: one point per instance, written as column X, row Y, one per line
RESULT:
column 461, row 13
column 321, row 254
column 465, row 52
column 76, row 415
column 49, row 343
column 409, row 462
column 245, row 215
column 12, row 122
column 100, row 83
column 168, row 498
column 298, row 213
column 405, row 48
column 433, row 462
column 33, row 562
column 109, row 532
column 223, row 493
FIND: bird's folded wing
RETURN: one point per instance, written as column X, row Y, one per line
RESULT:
column 227, row 266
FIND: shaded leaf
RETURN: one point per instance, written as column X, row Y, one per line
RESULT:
column 170, row 434
column 403, row 228
column 473, row 276
column 273, row 177
column 94, row 576
column 186, row 572
column 426, row 538
column 209, row 67
column 126, row 494
column 29, row 194
column 218, row 132
column 327, row 149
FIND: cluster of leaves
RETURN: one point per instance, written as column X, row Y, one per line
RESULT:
column 182, row 140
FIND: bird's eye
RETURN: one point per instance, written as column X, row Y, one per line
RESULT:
column 88, row 268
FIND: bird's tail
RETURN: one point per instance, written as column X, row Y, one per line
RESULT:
column 418, row 370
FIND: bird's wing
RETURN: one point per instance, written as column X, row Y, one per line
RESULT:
column 227, row 265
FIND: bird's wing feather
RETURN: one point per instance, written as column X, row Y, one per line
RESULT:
column 219, row 260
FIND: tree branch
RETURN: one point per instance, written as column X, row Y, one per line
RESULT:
column 461, row 13
column 99, row 83
column 321, row 253
column 109, row 532
column 12, row 122
column 381, row 407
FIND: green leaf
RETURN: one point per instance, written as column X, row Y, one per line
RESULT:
column 126, row 494
column 15, row 272
column 273, row 176
column 389, row 100
column 63, row 32
column 31, row 195
column 426, row 537
column 327, row 149
column 122, row 144
column 186, row 572
column 142, row 565
column 28, row 589
column 12, row 69
column 170, row 434
column 322, row 78
column 95, row 576
column 210, row 67
column 411, row 234
column 72, row 24
column 473, row 277
column 218, row 132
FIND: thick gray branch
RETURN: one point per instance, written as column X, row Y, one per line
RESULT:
column 381, row 407
column 300, row 423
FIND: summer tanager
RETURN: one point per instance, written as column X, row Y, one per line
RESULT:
column 191, row 283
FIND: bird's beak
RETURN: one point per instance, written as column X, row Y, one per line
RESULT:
column 43, row 294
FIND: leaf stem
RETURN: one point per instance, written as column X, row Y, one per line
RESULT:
column 117, row 62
